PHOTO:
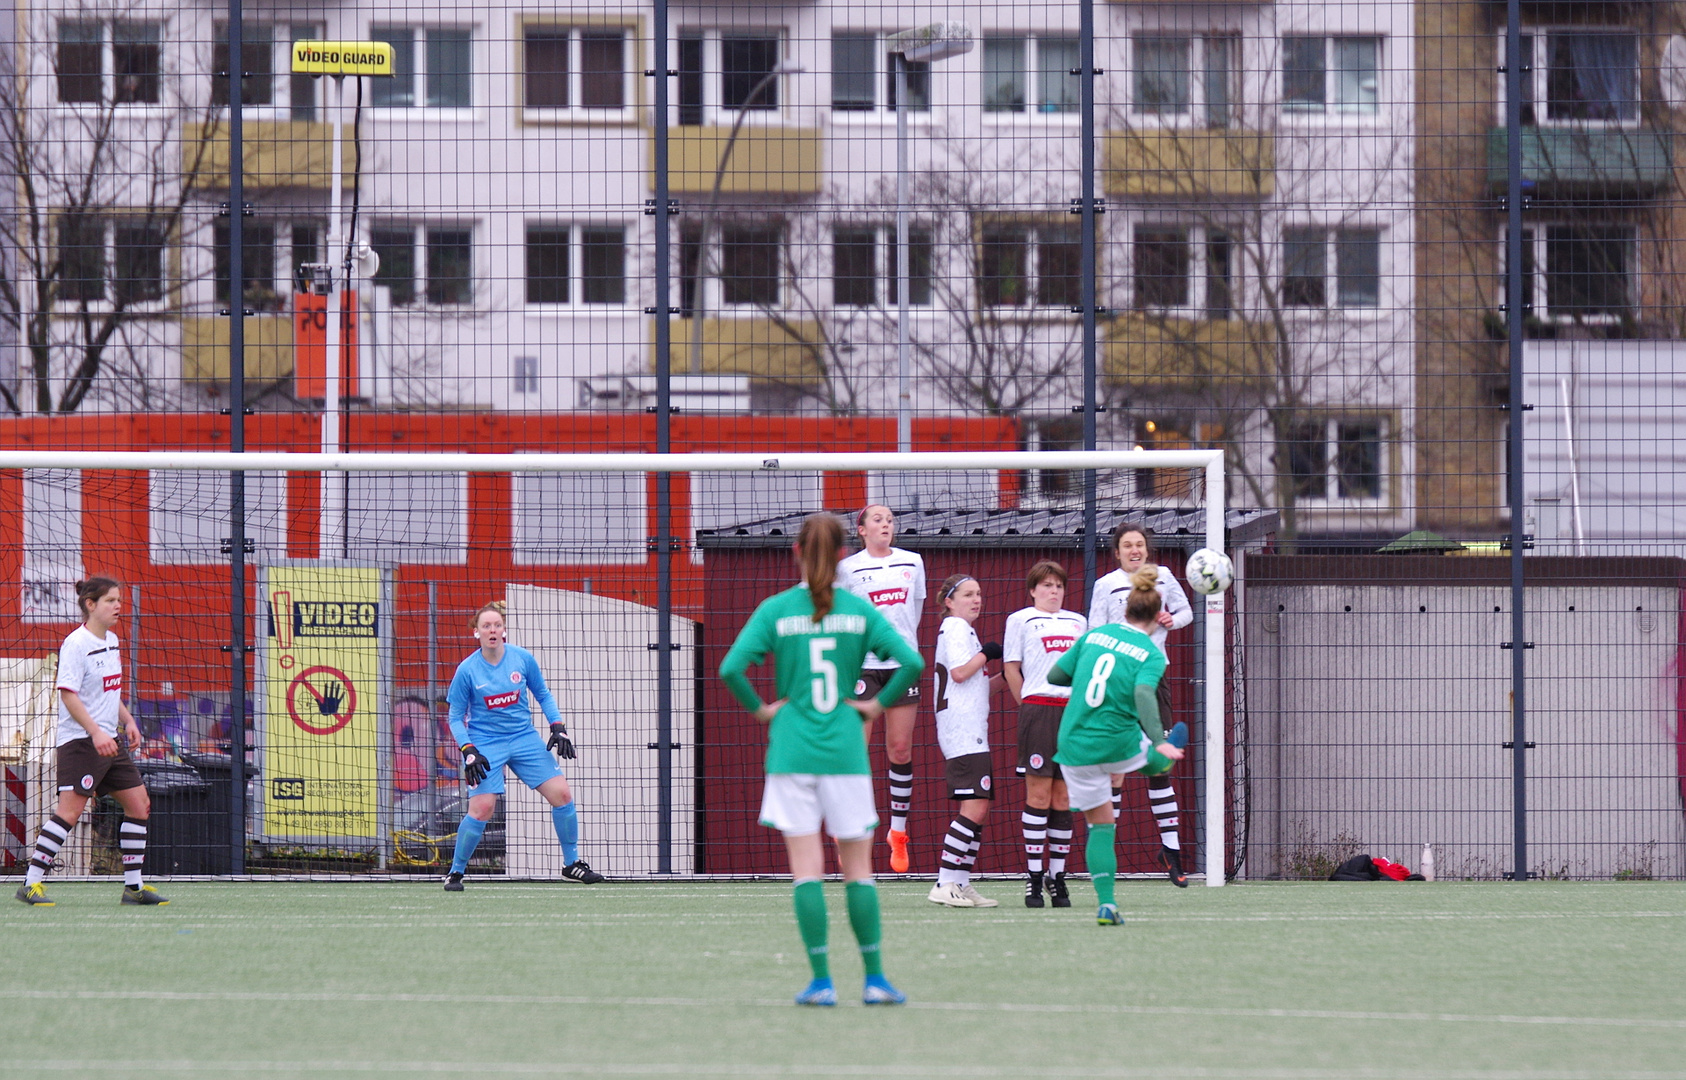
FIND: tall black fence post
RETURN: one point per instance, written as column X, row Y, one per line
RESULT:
column 664, row 444
column 1516, row 315
column 236, row 442
column 1090, row 294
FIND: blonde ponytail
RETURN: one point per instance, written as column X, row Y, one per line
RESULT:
column 1144, row 603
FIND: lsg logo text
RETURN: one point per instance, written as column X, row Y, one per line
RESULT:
column 281, row 789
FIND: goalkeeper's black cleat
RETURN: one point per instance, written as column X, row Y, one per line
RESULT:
column 1033, row 891
column 580, row 872
column 1172, row 861
column 145, row 895
column 453, row 882
column 1057, row 890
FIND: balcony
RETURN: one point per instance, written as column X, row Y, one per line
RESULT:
column 269, row 348
column 1192, row 164
column 765, row 160
column 1189, row 355
column 762, row 348
column 277, row 154
column 1586, row 161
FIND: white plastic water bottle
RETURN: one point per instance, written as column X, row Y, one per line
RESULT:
column 1427, row 868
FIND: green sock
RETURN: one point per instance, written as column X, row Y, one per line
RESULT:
column 869, row 928
column 811, row 920
column 1102, row 859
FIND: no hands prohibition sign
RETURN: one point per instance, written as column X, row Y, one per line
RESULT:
column 324, row 706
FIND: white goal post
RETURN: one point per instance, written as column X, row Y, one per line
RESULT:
column 1211, row 461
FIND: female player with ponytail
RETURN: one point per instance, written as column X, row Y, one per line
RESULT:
column 817, row 769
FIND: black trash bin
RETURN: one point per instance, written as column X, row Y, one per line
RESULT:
column 216, row 825
column 179, row 808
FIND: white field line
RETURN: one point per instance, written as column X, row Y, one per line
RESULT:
column 1342, row 1015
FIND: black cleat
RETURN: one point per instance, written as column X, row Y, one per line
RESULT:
column 580, row 872
column 1033, row 890
column 453, row 882
column 1057, row 890
column 34, row 895
column 1172, row 861
column 144, row 895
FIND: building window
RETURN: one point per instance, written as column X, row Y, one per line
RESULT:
column 524, row 375
column 749, row 264
column 1337, row 75
column 1030, row 74
column 1164, row 82
column 576, row 264
column 1184, row 269
column 724, row 73
column 432, row 261
column 575, row 71
column 1354, row 256
column 1172, row 432
column 863, row 76
column 1580, row 273
column 121, row 62
column 863, row 256
column 1058, row 433
column 188, row 515
column 1580, row 76
column 1024, row 265
column 264, row 51
column 1336, row 459
column 431, row 68
column 269, row 249
column 110, row 260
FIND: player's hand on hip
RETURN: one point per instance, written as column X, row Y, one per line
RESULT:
column 560, row 742
column 768, row 710
column 105, row 745
column 1173, row 752
column 474, row 765
column 869, row 708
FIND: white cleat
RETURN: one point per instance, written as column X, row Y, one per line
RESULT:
column 950, row 895
column 977, row 898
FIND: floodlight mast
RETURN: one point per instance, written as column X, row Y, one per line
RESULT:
column 937, row 41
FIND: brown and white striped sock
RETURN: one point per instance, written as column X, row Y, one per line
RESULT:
column 1163, row 800
column 131, row 842
column 1059, row 840
column 1117, row 803
column 1035, row 837
column 54, row 832
column 901, row 794
column 955, row 867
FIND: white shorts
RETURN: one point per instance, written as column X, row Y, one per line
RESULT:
column 1090, row 786
column 796, row 804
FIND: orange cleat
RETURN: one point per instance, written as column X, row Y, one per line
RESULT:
column 898, row 851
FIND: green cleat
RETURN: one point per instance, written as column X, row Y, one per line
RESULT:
column 34, row 895
column 144, row 895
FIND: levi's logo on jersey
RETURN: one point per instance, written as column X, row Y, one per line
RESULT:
column 503, row 700
column 113, row 682
column 1057, row 643
column 886, row 597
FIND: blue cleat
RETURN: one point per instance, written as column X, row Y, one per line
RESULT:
column 1108, row 915
column 879, row 992
column 819, row 992
column 1178, row 735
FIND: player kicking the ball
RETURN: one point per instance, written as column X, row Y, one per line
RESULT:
column 817, row 768
column 1111, row 725
column 491, row 723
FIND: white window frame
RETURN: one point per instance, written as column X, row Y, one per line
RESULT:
column 108, row 66
column 282, row 37
column 1332, row 499
column 573, row 112
column 1199, row 239
column 716, row 114
column 419, row 258
column 884, row 263
column 1536, row 291
column 883, row 83
column 1034, row 105
column 418, row 41
column 266, row 516
column 1332, row 271
column 1197, row 115
column 1537, row 56
column 1033, row 305
column 1331, row 110
column 286, row 258
column 555, row 519
column 576, row 266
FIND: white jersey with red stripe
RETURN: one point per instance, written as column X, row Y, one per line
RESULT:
column 962, row 708
column 895, row 585
column 1037, row 639
column 90, row 668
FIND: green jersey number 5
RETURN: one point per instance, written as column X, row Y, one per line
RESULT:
column 823, row 674
column 1095, row 692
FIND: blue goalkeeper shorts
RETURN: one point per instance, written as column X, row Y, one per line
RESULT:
column 526, row 754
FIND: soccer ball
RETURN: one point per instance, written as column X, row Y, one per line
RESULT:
column 1210, row 571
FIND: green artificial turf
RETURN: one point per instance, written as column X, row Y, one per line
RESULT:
column 1543, row 980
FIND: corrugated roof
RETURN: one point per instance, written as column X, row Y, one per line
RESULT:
column 932, row 529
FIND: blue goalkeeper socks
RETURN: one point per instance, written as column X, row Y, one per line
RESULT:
column 468, row 838
column 567, row 831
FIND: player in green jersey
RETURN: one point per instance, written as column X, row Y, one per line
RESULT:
column 1111, row 724
column 817, row 769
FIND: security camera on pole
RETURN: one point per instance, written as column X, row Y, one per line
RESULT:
column 337, row 59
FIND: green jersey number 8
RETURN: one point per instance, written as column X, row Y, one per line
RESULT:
column 823, row 674
column 1095, row 692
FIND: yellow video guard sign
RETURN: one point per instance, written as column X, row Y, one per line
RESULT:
column 321, row 696
column 342, row 58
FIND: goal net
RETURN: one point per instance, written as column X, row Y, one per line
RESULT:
column 627, row 576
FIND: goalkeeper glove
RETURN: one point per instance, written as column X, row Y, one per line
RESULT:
column 991, row 650
column 474, row 765
column 560, row 742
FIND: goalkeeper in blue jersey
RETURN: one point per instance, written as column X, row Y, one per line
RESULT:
column 490, row 721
